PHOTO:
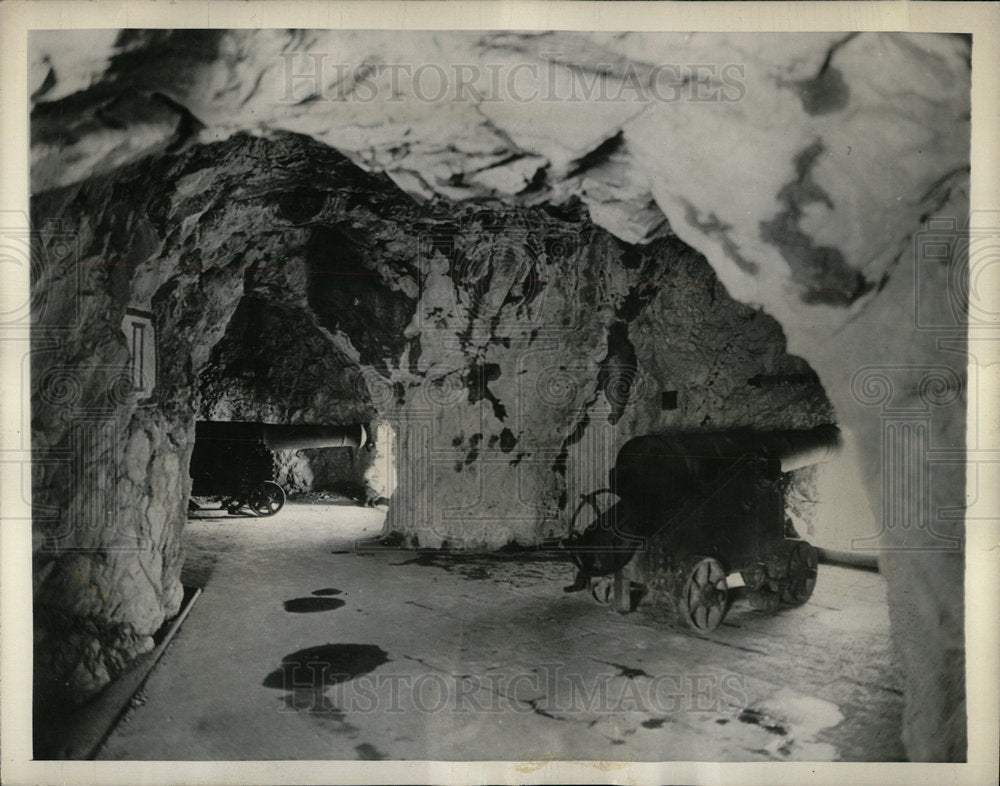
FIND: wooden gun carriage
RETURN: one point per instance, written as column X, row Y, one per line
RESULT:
column 686, row 510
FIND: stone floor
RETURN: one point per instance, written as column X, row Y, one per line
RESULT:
column 310, row 643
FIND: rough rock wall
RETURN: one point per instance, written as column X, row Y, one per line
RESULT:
column 906, row 398
column 806, row 168
column 110, row 485
column 273, row 365
column 344, row 470
column 529, row 369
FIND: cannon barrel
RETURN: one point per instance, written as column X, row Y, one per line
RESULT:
column 665, row 468
column 282, row 437
column 279, row 437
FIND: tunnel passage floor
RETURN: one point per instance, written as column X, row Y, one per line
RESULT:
column 308, row 643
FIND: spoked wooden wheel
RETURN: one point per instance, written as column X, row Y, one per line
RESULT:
column 591, row 508
column 702, row 593
column 267, row 499
column 801, row 581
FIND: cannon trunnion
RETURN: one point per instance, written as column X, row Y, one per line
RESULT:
column 686, row 510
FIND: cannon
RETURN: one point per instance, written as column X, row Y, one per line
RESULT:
column 235, row 460
column 683, row 511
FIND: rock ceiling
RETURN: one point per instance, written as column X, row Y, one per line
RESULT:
column 797, row 164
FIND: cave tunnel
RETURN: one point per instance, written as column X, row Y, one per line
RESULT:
column 498, row 325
